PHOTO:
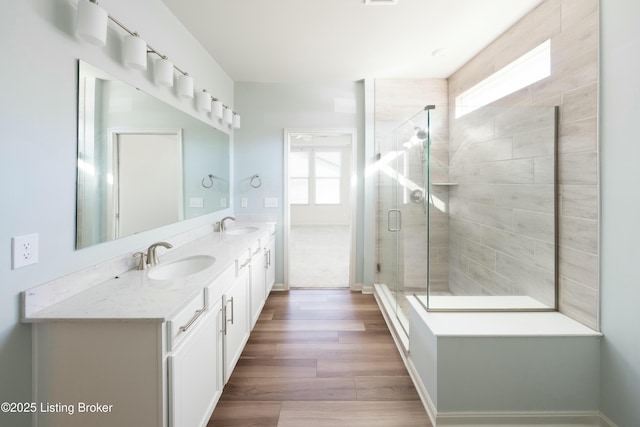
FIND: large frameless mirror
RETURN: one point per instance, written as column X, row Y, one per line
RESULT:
column 142, row 163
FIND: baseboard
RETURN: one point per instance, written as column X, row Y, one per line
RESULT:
column 367, row 289
column 606, row 422
column 519, row 419
column 278, row 287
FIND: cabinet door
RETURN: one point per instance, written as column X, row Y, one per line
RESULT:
column 257, row 269
column 236, row 329
column 270, row 267
column 195, row 372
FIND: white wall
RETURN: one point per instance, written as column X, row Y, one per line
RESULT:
column 267, row 109
column 620, row 201
column 38, row 163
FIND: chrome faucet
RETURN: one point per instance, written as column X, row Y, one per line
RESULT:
column 152, row 255
column 223, row 225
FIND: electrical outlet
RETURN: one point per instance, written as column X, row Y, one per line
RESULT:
column 223, row 202
column 196, row 202
column 244, row 202
column 25, row 250
column 270, row 202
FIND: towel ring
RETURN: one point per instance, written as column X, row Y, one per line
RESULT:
column 255, row 182
column 210, row 181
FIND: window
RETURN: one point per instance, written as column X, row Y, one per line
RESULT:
column 299, row 177
column 531, row 67
column 315, row 176
column 328, row 172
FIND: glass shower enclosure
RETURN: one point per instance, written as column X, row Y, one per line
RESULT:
column 467, row 211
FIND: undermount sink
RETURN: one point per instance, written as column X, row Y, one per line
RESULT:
column 181, row 268
column 237, row 231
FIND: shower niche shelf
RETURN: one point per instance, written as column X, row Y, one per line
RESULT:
column 444, row 184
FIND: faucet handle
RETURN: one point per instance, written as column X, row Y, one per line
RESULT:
column 142, row 264
column 152, row 252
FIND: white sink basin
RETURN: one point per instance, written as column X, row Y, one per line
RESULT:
column 181, row 268
column 240, row 230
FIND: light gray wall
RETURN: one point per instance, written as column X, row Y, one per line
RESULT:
column 620, row 201
column 267, row 109
column 38, row 163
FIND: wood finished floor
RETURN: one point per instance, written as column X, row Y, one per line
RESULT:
column 320, row 357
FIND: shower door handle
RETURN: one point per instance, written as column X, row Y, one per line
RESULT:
column 398, row 222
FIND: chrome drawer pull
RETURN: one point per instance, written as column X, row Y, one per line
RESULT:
column 224, row 319
column 245, row 263
column 193, row 319
column 256, row 251
column 232, row 311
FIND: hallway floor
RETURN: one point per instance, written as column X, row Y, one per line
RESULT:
column 320, row 357
column 319, row 256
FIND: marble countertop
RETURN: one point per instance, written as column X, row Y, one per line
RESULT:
column 134, row 296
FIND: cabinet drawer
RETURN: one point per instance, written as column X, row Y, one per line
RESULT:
column 255, row 249
column 242, row 262
column 180, row 325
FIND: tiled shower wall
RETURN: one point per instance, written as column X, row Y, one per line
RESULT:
column 572, row 26
column 502, row 205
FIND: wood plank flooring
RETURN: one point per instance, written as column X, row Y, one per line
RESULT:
column 316, row 358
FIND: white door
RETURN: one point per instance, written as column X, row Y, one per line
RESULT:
column 140, row 206
column 236, row 318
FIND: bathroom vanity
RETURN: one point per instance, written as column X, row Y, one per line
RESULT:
column 151, row 347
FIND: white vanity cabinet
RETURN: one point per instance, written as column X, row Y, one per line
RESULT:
column 135, row 352
column 141, row 372
column 236, row 307
column 257, row 277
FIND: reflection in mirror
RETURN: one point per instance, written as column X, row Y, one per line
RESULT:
column 142, row 163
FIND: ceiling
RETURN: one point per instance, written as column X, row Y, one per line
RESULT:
column 336, row 40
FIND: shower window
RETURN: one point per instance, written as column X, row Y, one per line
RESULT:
column 531, row 67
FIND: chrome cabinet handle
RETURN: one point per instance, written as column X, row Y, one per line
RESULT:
column 193, row 319
column 256, row 251
column 224, row 319
column 399, row 216
column 232, row 312
column 245, row 263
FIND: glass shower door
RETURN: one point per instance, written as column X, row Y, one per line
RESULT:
column 387, row 243
column 402, row 223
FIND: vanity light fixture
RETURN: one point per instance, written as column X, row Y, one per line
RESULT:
column 217, row 108
column 185, row 86
column 228, row 115
column 236, row 121
column 91, row 26
column 91, row 22
column 203, row 101
column 163, row 72
column 134, row 52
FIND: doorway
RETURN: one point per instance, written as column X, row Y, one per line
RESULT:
column 320, row 188
column 135, row 203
